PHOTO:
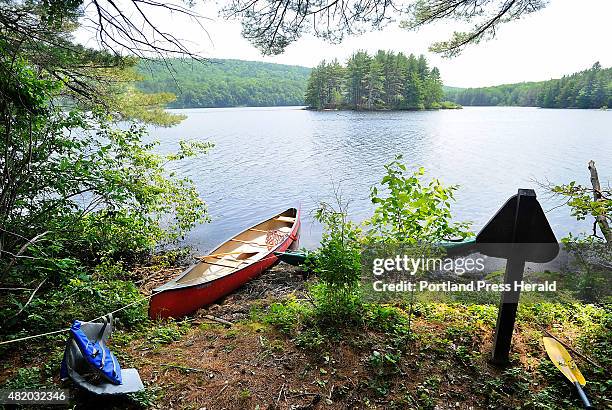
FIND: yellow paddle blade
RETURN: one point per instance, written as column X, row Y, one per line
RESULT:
column 563, row 361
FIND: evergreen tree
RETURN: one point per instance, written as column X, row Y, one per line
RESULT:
column 375, row 85
column 433, row 88
column 413, row 92
column 336, row 74
column 422, row 68
column 314, row 88
column 357, row 72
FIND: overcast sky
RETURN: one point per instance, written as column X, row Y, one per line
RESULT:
column 565, row 37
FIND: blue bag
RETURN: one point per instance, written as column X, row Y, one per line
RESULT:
column 96, row 353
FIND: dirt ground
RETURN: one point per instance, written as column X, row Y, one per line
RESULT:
column 251, row 366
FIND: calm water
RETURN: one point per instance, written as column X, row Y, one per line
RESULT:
column 267, row 159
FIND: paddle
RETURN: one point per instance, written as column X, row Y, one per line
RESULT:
column 564, row 362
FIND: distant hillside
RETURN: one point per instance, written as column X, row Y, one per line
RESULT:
column 226, row 83
column 591, row 88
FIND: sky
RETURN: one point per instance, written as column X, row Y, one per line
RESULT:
column 565, row 37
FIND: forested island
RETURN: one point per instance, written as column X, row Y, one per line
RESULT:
column 384, row 81
column 590, row 88
column 224, row 83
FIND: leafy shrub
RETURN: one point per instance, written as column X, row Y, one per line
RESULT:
column 411, row 211
column 337, row 266
column 449, row 105
column 168, row 332
column 427, row 393
column 26, row 378
column 384, row 318
column 310, row 338
column 82, row 192
column 84, row 298
column 383, row 363
column 286, row 316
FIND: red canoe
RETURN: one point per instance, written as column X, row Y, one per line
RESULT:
column 229, row 266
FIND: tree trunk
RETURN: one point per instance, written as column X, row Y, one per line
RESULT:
column 601, row 219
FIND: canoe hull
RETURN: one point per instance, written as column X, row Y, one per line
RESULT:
column 186, row 300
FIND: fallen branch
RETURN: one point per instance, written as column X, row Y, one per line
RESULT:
column 218, row 320
column 31, row 297
column 22, row 249
column 280, row 393
column 302, row 394
column 222, row 389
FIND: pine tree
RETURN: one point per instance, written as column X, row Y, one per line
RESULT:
column 357, row 71
column 336, row 84
column 413, row 92
column 312, row 98
column 375, row 85
column 433, row 89
column 314, row 88
column 422, row 68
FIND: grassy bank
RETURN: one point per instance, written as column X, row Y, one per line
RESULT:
column 277, row 354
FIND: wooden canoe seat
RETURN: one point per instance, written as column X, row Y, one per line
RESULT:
column 248, row 242
column 240, row 258
column 283, row 229
column 258, row 230
column 230, row 262
column 223, row 258
column 224, row 263
column 285, row 219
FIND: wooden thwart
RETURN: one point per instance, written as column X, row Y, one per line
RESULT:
column 222, row 265
column 249, row 242
column 285, row 219
column 220, row 258
column 219, row 254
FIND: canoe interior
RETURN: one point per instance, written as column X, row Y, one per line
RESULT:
column 242, row 250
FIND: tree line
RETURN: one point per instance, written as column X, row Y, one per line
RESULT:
column 590, row 88
column 225, row 83
column 384, row 81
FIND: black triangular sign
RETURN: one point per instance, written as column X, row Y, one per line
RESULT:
column 520, row 221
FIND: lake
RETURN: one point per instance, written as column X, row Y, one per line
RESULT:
column 268, row 159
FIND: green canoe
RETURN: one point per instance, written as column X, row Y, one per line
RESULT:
column 297, row 258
